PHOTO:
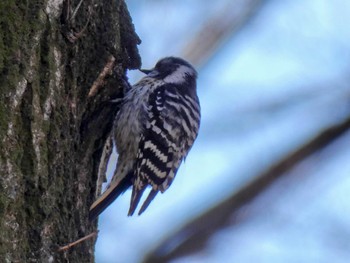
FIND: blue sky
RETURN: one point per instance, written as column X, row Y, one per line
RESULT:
column 267, row 90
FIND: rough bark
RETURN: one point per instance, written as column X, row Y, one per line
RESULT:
column 51, row 132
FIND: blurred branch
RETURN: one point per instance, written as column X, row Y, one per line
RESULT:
column 218, row 28
column 194, row 236
column 337, row 89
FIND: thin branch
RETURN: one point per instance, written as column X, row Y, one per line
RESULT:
column 99, row 82
column 66, row 247
column 76, row 10
column 203, row 227
column 233, row 17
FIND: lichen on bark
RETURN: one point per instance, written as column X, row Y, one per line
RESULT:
column 51, row 133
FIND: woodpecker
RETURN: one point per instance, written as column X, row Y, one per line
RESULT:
column 154, row 130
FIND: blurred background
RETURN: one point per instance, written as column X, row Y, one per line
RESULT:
column 268, row 179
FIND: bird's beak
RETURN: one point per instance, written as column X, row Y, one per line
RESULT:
column 152, row 73
column 146, row 71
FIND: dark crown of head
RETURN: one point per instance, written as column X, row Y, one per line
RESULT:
column 169, row 64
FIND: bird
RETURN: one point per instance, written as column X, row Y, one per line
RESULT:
column 154, row 130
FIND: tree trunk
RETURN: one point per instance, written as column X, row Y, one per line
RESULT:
column 52, row 130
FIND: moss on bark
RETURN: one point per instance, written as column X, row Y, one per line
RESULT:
column 51, row 132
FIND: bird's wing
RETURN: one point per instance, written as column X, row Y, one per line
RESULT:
column 167, row 138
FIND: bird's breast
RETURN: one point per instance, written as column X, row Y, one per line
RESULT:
column 129, row 122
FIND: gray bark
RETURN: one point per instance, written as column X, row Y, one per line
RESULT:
column 51, row 132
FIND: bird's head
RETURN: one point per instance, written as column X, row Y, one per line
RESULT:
column 172, row 70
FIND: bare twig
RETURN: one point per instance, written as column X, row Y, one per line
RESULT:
column 203, row 227
column 76, row 10
column 218, row 28
column 69, row 17
column 73, row 36
column 66, row 247
column 98, row 83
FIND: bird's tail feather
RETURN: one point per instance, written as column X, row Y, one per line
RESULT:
column 149, row 199
column 109, row 196
column 137, row 191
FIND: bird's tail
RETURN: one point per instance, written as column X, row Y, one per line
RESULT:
column 114, row 190
column 138, row 188
column 149, row 199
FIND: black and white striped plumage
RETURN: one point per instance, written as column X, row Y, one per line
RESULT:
column 154, row 131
